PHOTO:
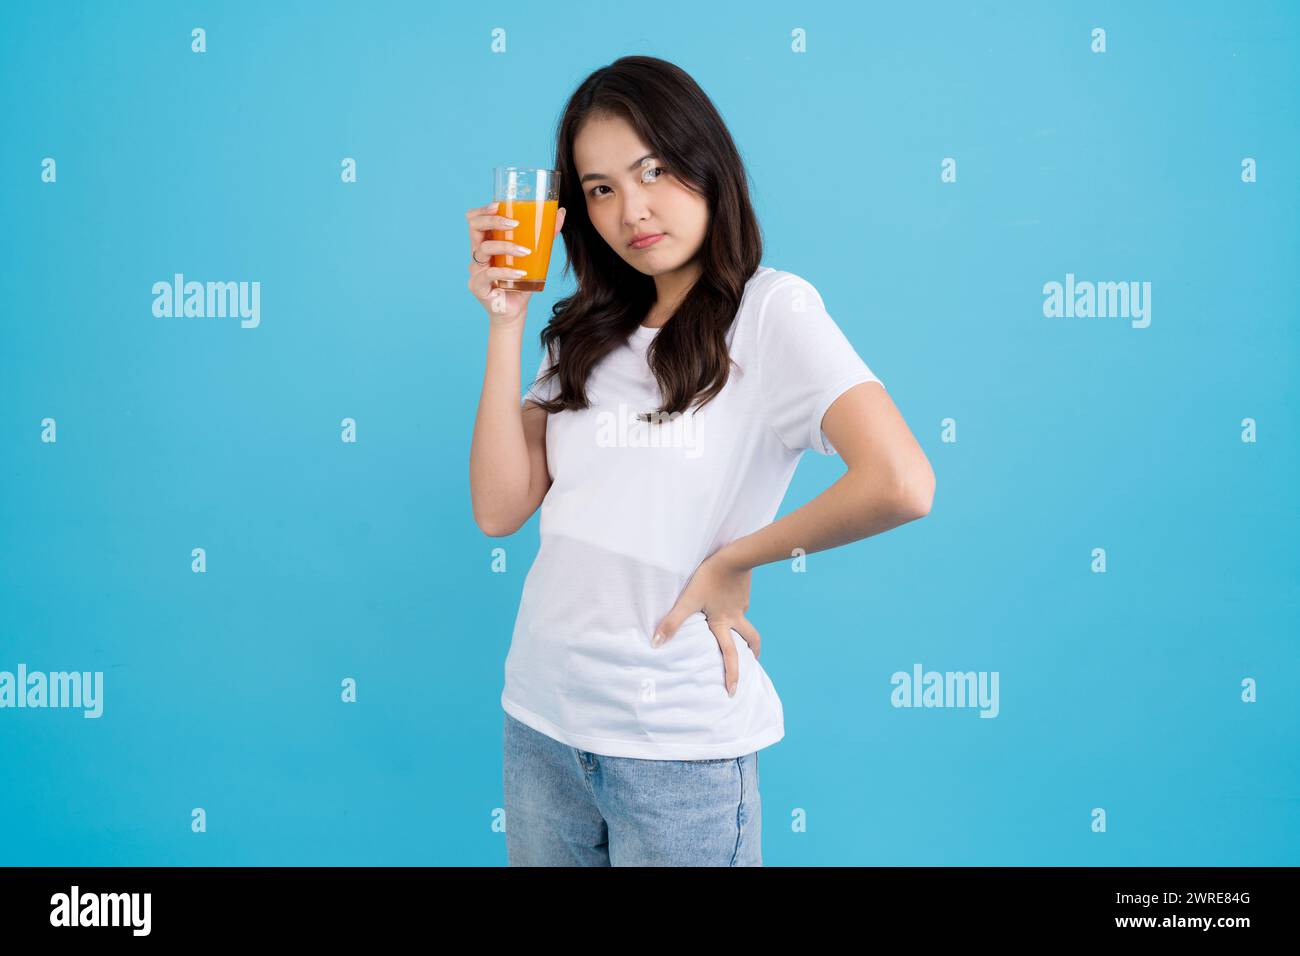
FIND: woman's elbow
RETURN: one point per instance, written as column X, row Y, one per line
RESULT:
column 495, row 526
column 916, row 493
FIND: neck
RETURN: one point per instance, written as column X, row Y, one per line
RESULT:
column 670, row 290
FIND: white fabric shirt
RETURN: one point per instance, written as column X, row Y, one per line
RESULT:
column 631, row 514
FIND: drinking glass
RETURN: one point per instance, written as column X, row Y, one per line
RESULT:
column 532, row 196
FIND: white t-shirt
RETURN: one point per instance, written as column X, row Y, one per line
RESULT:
column 631, row 514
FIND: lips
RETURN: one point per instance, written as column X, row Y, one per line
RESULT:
column 647, row 241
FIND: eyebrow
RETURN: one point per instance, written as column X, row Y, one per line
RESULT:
column 629, row 169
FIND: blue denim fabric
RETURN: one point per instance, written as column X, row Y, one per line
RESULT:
column 568, row 807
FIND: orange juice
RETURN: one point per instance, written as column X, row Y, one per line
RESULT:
column 536, row 231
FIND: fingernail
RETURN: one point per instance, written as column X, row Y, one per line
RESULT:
column 658, row 639
column 522, row 250
column 520, row 272
column 731, row 689
column 513, row 222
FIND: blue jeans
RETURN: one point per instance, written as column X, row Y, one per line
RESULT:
column 568, row 807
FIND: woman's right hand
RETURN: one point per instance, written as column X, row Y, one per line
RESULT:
column 504, row 306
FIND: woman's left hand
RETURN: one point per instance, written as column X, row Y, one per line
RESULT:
column 721, row 590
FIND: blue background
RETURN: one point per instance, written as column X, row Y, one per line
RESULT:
column 329, row 560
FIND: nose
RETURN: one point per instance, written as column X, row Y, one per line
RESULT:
column 635, row 211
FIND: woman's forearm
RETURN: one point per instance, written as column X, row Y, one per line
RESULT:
column 498, row 456
column 854, row 507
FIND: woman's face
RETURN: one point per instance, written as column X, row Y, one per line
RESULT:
column 630, row 193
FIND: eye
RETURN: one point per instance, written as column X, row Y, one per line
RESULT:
column 645, row 178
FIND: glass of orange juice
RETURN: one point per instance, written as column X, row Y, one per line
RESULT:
column 532, row 196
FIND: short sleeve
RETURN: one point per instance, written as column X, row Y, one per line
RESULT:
column 540, row 391
column 805, row 362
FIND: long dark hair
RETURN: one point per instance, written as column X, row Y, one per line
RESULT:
column 689, row 356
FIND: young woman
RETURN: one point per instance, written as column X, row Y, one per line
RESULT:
column 678, row 388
